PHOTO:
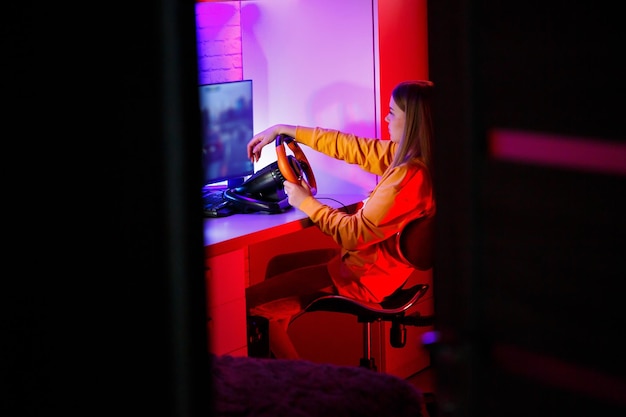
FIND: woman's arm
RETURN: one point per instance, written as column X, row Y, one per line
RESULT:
column 402, row 194
column 267, row 136
column 372, row 155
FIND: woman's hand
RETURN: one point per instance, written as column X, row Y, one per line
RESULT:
column 261, row 139
column 297, row 193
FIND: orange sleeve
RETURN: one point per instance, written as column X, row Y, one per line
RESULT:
column 372, row 155
column 401, row 195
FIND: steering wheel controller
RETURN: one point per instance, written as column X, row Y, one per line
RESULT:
column 292, row 167
column 264, row 191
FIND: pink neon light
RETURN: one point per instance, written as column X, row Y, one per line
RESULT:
column 585, row 154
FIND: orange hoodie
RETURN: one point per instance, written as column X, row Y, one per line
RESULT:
column 369, row 268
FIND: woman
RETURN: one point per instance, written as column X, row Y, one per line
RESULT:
column 368, row 267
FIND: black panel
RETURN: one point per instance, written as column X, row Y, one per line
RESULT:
column 105, row 311
column 529, row 258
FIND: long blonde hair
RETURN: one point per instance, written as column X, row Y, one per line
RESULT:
column 414, row 99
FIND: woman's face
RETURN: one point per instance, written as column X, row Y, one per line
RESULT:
column 396, row 119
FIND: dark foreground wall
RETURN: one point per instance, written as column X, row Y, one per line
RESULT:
column 102, row 289
column 531, row 171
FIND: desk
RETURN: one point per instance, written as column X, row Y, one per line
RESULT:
column 224, row 234
column 236, row 251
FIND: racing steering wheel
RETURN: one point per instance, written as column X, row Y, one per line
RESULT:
column 292, row 167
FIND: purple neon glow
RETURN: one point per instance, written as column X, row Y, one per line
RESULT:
column 218, row 32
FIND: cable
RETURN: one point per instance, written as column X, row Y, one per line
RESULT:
column 336, row 201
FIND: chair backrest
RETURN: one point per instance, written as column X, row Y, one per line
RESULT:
column 416, row 242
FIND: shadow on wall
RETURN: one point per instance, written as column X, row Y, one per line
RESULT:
column 339, row 106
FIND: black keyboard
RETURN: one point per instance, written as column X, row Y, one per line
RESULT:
column 216, row 205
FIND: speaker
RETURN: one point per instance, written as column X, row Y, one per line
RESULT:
column 258, row 337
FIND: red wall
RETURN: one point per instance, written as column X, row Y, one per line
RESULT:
column 403, row 46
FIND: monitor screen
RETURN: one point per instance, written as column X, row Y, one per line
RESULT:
column 227, row 119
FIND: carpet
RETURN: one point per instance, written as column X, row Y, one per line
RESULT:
column 260, row 387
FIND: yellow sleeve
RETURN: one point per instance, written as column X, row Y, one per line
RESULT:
column 402, row 194
column 372, row 155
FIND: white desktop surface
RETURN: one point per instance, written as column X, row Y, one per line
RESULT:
column 224, row 234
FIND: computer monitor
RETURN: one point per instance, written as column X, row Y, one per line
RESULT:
column 227, row 126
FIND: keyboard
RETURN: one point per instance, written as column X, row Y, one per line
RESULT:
column 216, row 205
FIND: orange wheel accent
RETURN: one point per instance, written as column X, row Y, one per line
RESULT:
column 292, row 168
